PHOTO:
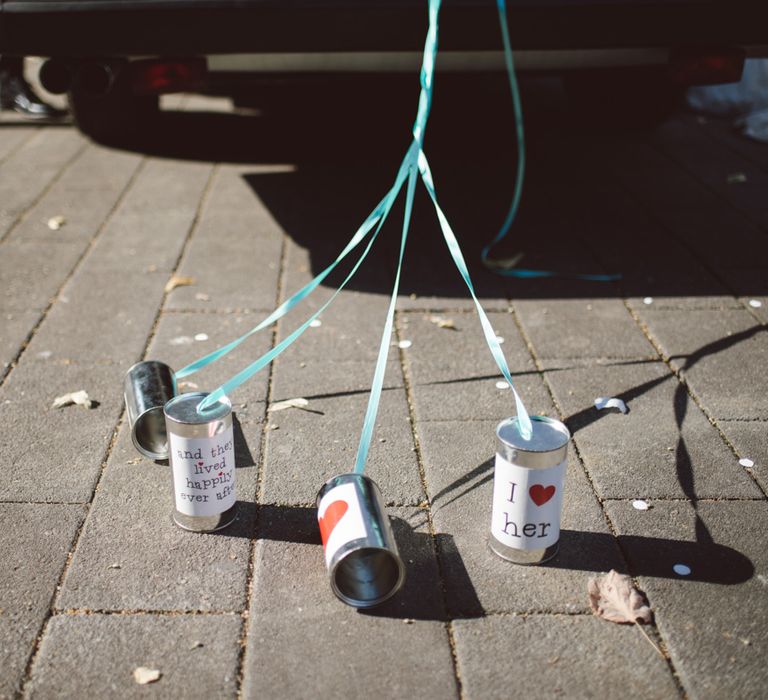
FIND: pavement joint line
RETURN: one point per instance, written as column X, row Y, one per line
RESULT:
column 78, row 263
column 659, row 638
column 245, row 626
column 670, row 499
column 34, row 132
column 680, row 374
column 427, row 508
column 138, row 612
column 215, row 312
column 56, row 177
column 466, row 311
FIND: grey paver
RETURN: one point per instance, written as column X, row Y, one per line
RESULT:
column 34, row 165
column 296, row 466
column 544, row 657
column 714, row 621
column 34, row 547
column 664, row 447
column 459, row 472
column 11, row 139
column 17, row 326
column 196, row 655
column 175, row 343
column 55, row 455
column 721, row 354
column 399, row 647
column 578, row 328
column 750, row 440
column 235, row 252
column 131, row 555
column 454, row 376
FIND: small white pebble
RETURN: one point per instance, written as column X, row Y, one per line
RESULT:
column 640, row 504
column 746, row 462
column 755, row 303
column 56, row 222
column 681, row 569
column 499, row 339
column 735, row 178
column 647, row 300
column 45, row 354
column 404, row 344
column 502, row 385
column 200, row 296
column 316, row 323
column 201, row 336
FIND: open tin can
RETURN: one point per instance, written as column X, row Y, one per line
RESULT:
column 148, row 387
column 360, row 549
column 528, row 490
column 202, row 453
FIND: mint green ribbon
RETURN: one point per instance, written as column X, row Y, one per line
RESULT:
column 415, row 162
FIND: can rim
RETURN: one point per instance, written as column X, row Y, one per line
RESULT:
column 558, row 425
column 141, row 448
column 224, row 400
column 327, row 485
column 357, row 602
column 151, row 362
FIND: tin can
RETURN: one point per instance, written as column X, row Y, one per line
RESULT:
column 360, row 550
column 202, row 452
column 528, row 490
column 148, row 387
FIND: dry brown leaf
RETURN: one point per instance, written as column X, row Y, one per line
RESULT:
column 80, row 398
column 442, row 322
column 289, row 403
column 614, row 598
column 143, row 675
column 178, row 281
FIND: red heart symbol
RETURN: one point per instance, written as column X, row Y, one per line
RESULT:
column 221, row 473
column 199, row 464
column 333, row 513
column 540, row 495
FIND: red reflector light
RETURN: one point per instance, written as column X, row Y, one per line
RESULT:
column 706, row 66
column 158, row 76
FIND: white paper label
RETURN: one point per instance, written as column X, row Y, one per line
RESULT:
column 340, row 519
column 203, row 473
column 527, row 505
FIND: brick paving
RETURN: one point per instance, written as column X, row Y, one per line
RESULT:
column 97, row 581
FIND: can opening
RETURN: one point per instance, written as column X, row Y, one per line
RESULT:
column 367, row 576
column 150, row 434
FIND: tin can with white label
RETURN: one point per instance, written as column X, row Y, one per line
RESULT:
column 528, row 485
column 148, row 387
column 202, row 453
column 360, row 549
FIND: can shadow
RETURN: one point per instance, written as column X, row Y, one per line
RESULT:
column 243, row 456
column 652, row 556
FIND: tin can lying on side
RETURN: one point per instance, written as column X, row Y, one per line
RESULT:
column 202, row 452
column 148, row 387
column 360, row 549
column 528, row 490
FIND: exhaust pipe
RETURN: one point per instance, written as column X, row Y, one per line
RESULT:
column 56, row 76
column 97, row 78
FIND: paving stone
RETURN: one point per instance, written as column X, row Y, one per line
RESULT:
column 720, row 353
column 149, row 228
column 106, row 649
column 175, row 344
column 12, row 139
column 55, row 454
column 234, row 253
column 453, row 375
column 663, row 448
column 752, row 286
column 306, row 448
column 36, row 540
column 84, row 196
column 32, row 277
column 161, row 566
column 17, row 326
column 750, row 440
column 478, row 581
column 706, row 617
column 34, row 165
column 579, row 328
column 573, row 656
column 291, row 585
column 100, row 317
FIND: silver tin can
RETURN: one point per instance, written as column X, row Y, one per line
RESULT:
column 148, row 387
column 528, row 490
column 360, row 549
column 202, row 453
